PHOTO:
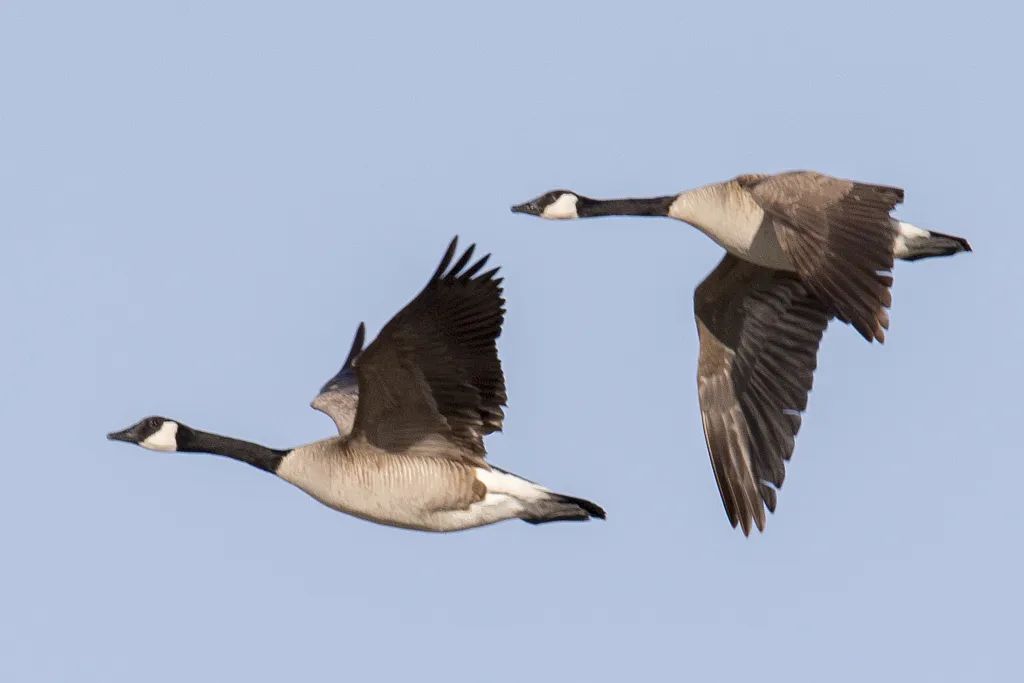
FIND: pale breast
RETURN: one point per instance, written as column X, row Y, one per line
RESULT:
column 398, row 490
column 727, row 213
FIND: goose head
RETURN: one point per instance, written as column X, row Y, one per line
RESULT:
column 155, row 433
column 554, row 205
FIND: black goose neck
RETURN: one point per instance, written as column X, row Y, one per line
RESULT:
column 651, row 206
column 266, row 459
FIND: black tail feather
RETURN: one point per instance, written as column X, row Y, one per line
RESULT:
column 593, row 509
column 935, row 244
column 562, row 508
column 964, row 244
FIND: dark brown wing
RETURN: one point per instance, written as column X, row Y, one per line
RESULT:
column 339, row 397
column 840, row 236
column 434, row 368
column 759, row 332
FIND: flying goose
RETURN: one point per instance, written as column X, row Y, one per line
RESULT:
column 802, row 247
column 412, row 410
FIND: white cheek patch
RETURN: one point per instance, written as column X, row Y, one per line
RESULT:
column 163, row 439
column 562, row 208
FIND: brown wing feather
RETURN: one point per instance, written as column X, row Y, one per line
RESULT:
column 434, row 368
column 759, row 333
column 840, row 236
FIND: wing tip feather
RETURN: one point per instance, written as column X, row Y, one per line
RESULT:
column 446, row 259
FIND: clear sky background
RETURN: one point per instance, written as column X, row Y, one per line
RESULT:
column 200, row 201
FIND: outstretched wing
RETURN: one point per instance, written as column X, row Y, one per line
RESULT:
column 340, row 396
column 434, row 368
column 759, row 333
column 840, row 237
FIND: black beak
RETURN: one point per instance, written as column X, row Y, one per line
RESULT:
column 528, row 207
column 121, row 436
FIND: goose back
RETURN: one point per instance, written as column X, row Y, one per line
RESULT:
column 839, row 236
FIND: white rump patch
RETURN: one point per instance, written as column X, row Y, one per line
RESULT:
column 562, row 208
column 163, row 439
column 905, row 234
column 510, row 485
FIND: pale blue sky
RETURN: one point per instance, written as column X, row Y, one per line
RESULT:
column 200, row 201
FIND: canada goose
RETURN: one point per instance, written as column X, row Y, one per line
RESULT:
column 410, row 452
column 802, row 247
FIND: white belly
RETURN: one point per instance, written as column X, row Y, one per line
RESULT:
column 495, row 507
column 507, row 497
column 734, row 221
